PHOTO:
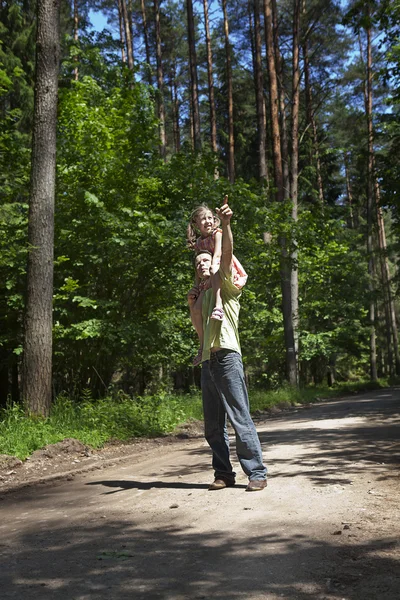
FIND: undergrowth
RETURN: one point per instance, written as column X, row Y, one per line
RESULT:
column 94, row 422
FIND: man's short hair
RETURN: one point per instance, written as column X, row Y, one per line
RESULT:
column 199, row 253
column 203, row 252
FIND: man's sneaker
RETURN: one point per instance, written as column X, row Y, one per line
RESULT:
column 256, row 485
column 220, row 483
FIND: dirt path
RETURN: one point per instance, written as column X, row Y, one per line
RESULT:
column 326, row 527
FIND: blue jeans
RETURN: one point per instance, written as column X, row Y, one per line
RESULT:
column 225, row 395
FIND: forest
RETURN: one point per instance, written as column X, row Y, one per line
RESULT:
column 109, row 137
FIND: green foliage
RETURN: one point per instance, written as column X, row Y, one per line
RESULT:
column 94, row 422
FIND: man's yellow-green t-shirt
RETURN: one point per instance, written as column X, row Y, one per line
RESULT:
column 222, row 334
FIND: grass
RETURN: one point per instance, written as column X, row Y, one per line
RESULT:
column 260, row 400
column 122, row 418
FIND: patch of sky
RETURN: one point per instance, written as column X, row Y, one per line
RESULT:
column 98, row 20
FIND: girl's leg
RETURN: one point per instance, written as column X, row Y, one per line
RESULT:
column 218, row 312
column 197, row 322
column 216, row 286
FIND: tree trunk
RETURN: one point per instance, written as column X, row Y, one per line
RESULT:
column 374, row 196
column 291, row 361
column 160, row 82
column 295, row 168
column 128, row 38
column 260, row 102
column 194, row 94
column 250, row 11
column 231, row 139
column 37, row 356
column 350, row 220
column 175, row 109
column 370, row 207
column 121, row 31
column 386, row 279
column 130, row 23
column 281, row 101
column 213, row 118
column 76, row 37
column 311, row 120
column 146, row 41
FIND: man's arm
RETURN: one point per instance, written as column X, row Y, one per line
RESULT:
column 225, row 214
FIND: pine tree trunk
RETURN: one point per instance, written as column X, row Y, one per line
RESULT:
column 312, row 122
column 76, row 37
column 386, row 279
column 37, row 355
column 374, row 197
column 146, row 41
column 231, row 138
column 291, row 361
column 260, row 102
column 213, row 118
column 370, row 210
column 121, row 31
column 194, row 94
column 281, row 102
column 250, row 12
column 295, row 168
column 350, row 220
column 128, row 38
column 175, row 108
column 160, row 82
column 130, row 24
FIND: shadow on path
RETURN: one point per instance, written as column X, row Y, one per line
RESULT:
column 124, row 560
column 148, row 485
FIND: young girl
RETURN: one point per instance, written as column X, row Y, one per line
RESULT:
column 204, row 222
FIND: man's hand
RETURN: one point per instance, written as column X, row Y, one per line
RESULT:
column 225, row 212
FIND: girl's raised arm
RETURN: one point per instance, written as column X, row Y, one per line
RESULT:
column 217, row 252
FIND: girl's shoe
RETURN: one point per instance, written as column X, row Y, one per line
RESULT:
column 217, row 314
column 197, row 358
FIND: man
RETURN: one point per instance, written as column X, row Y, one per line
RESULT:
column 223, row 385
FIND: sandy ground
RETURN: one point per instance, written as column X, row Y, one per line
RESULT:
column 146, row 527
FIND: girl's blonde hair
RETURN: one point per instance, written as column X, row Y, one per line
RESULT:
column 192, row 232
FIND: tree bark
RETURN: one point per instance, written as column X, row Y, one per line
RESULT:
column 130, row 24
column 213, row 118
column 231, row 138
column 160, row 82
column 281, row 101
column 175, row 108
column 295, row 169
column 128, row 38
column 121, row 31
column 37, row 355
column 374, row 198
column 194, row 94
column 350, row 220
column 260, row 102
column 386, row 279
column 250, row 11
column 311, row 119
column 370, row 208
column 76, row 37
column 146, row 41
column 285, row 263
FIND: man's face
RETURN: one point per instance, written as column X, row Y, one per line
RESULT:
column 203, row 264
